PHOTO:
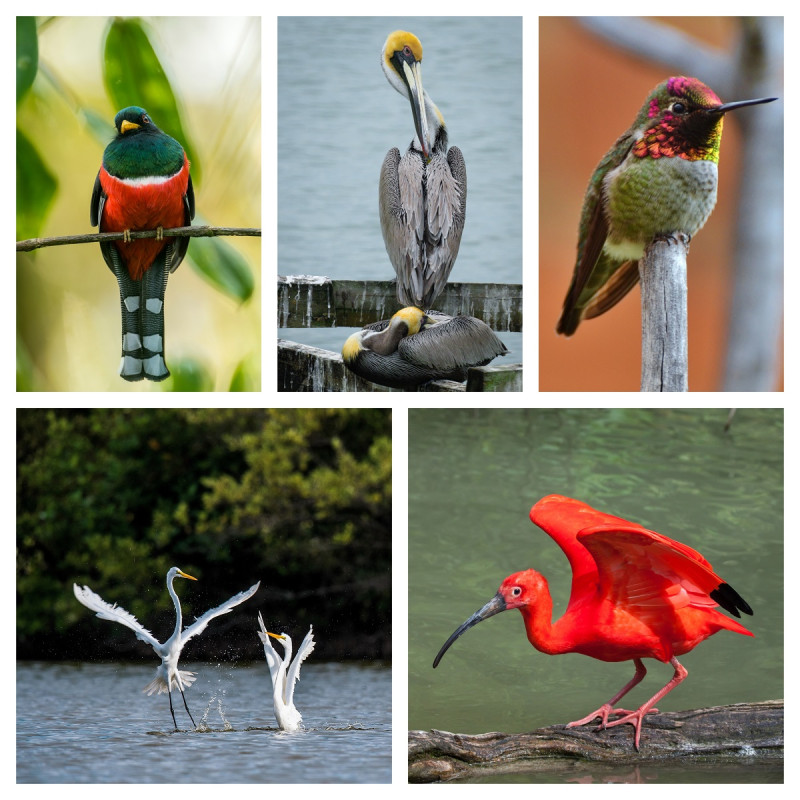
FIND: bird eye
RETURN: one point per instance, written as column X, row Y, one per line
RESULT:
column 516, row 591
column 145, row 118
column 406, row 51
column 679, row 108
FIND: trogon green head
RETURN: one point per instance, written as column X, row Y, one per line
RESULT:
column 140, row 149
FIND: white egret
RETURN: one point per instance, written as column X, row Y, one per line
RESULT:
column 288, row 716
column 168, row 676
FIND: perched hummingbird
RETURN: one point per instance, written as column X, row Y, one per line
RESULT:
column 660, row 177
column 143, row 184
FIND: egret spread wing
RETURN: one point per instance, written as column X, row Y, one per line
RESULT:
column 305, row 649
column 199, row 625
column 114, row 613
column 273, row 659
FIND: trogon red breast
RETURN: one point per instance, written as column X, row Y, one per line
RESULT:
column 143, row 184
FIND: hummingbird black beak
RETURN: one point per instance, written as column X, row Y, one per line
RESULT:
column 494, row 606
column 725, row 107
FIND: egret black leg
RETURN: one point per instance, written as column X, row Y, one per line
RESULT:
column 169, row 694
column 187, row 707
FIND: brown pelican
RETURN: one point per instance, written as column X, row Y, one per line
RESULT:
column 423, row 195
column 413, row 348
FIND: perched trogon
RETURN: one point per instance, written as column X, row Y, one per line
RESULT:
column 143, row 184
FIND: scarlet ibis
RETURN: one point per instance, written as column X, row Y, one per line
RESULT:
column 635, row 594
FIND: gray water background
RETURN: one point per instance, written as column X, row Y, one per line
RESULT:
column 91, row 723
column 337, row 118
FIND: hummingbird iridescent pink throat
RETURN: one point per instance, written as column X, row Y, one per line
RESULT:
column 659, row 178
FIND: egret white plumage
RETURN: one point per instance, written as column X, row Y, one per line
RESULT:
column 168, row 676
column 422, row 197
column 283, row 675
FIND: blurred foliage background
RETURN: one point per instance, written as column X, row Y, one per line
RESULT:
column 299, row 499
column 200, row 80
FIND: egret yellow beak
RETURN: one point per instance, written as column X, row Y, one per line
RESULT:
column 278, row 636
column 181, row 573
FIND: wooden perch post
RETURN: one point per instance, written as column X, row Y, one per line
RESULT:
column 752, row 732
column 665, row 340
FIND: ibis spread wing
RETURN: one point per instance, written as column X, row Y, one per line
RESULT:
column 641, row 568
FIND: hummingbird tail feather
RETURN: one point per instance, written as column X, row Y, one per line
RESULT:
column 617, row 286
column 569, row 321
column 595, row 300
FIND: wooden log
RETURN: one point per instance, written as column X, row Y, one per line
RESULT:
column 310, row 301
column 744, row 731
column 665, row 339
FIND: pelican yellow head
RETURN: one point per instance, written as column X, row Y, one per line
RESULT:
column 397, row 41
column 402, row 65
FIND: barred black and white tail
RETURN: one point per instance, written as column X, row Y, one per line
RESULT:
column 142, row 305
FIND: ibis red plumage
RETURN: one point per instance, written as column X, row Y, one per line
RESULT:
column 635, row 594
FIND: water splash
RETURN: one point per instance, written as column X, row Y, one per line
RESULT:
column 216, row 700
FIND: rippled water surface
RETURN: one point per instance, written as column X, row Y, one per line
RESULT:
column 473, row 480
column 92, row 724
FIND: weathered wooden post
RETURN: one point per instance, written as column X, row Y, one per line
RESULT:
column 665, row 341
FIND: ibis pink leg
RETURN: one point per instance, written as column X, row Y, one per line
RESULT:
column 635, row 717
column 608, row 708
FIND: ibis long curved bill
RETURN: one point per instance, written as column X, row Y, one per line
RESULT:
column 494, row 606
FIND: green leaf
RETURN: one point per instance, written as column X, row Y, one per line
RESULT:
column 223, row 267
column 133, row 76
column 242, row 380
column 26, row 381
column 189, row 375
column 36, row 188
column 27, row 54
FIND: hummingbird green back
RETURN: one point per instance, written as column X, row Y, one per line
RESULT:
column 659, row 178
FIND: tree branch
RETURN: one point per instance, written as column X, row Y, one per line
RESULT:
column 191, row 230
